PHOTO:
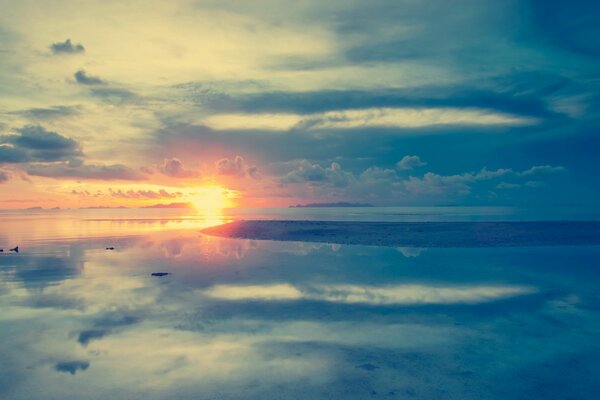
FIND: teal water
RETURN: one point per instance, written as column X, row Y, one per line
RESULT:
column 239, row 319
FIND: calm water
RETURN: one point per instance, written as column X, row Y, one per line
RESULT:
column 241, row 319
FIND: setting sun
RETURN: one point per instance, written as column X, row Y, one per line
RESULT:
column 211, row 199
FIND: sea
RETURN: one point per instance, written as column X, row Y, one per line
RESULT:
column 140, row 304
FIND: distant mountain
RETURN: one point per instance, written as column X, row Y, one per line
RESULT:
column 338, row 204
column 102, row 208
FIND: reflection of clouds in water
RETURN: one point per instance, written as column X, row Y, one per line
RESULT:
column 382, row 295
column 255, row 292
column 109, row 323
column 325, row 326
column 37, row 271
column 173, row 247
column 235, row 248
column 230, row 358
column 297, row 248
column 411, row 252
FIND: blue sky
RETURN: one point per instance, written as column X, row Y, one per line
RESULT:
column 276, row 103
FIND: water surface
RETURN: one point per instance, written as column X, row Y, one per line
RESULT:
column 239, row 319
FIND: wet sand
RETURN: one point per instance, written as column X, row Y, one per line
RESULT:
column 418, row 234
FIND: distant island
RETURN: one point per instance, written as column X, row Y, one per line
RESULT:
column 338, row 204
column 170, row 205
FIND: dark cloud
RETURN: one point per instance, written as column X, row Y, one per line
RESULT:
column 174, row 167
column 38, row 138
column 236, row 167
column 72, row 367
column 86, row 171
column 36, row 144
column 67, row 47
column 85, row 337
column 50, row 154
column 83, row 78
column 487, row 94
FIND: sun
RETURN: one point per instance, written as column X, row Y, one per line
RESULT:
column 212, row 199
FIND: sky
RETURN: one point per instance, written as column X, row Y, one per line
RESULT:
column 271, row 103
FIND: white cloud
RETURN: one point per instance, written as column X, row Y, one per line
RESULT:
column 401, row 117
column 410, row 162
column 543, row 169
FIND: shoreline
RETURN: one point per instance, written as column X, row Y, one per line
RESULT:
column 417, row 234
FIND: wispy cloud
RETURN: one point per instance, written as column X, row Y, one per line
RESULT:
column 86, row 171
column 365, row 118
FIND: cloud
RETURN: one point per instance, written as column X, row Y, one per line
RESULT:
column 4, row 177
column 508, row 185
column 72, row 367
column 49, row 154
column 543, row 170
column 317, row 175
column 432, row 183
column 50, row 112
column 67, row 47
column 385, row 117
column 38, row 138
column 236, row 167
column 83, row 78
column 85, row 171
column 535, row 184
column 174, row 167
column 113, row 95
column 499, row 94
column 36, row 144
column 386, row 185
column 86, row 336
column 410, row 162
column 144, row 194
column 375, row 295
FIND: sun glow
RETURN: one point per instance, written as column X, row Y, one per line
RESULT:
column 211, row 200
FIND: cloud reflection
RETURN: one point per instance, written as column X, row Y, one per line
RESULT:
column 376, row 295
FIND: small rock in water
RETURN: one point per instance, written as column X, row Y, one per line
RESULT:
column 110, row 248
column 160, row 273
column 15, row 249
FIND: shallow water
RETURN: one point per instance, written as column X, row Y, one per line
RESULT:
column 239, row 319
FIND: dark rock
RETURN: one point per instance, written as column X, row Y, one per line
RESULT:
column 160, row 273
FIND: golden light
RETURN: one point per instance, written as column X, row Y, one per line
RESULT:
column 211, row 200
